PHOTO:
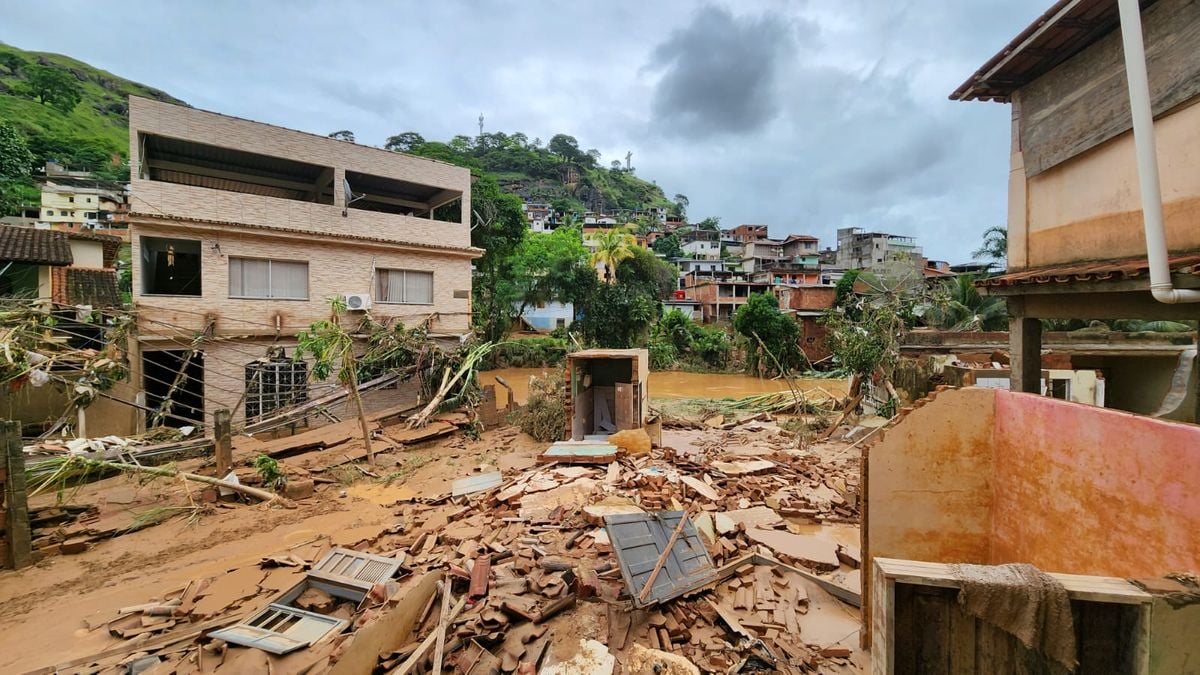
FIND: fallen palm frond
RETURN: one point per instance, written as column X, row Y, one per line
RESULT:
column 464, row 378
column 158, row 514
column 57, row 473
column 775, row 402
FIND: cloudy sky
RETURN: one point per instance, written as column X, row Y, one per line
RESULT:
column 806, row 115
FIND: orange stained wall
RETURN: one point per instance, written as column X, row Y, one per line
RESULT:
column 1088, row 490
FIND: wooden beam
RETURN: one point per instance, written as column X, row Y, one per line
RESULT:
column 444, row 197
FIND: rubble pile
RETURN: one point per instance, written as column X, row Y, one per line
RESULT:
column 529, row 568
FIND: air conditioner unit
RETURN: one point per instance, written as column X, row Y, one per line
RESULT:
column 357, row 302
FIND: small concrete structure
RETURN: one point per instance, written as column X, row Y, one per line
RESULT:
column 606, row 392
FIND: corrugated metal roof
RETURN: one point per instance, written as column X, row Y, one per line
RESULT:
column 37, row 247
column 1061, row 32
column 1096, row 270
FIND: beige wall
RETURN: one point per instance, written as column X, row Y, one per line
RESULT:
column 164, row 119
column 335, row 267
column 1089, row 207
column 87, row 253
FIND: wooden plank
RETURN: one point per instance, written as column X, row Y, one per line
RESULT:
column 1079, row 586
column 962, row 640
column 882, row 628
column 932, row 610
column 624, row 403
column 1085, row 101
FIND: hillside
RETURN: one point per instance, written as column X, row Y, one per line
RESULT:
column 92, row 132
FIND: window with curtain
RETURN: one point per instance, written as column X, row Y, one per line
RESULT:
column 275, row 279
column 409, row 287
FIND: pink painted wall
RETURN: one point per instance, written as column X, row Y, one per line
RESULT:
column 1086, row 490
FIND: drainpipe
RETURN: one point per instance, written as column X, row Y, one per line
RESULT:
column 1147, row 158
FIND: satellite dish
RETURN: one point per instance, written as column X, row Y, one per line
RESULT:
column 350, row 196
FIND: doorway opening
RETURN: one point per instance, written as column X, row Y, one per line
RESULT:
column 174, row 384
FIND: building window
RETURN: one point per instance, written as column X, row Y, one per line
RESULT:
column 274, row 279
column 274, row 384
column 404, row 286
column 71, row 199
column 170, row 266
column 560, row 323
column 89, row 200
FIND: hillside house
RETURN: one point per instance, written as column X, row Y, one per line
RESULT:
column 719, row 294
column 1086, row 189
column 748, row 233
column 700, row 243
column 242, row 232
column 879, row 252
column 808, row 304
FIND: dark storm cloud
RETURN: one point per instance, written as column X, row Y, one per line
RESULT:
column 720, row 72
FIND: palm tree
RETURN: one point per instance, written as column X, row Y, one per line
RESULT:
column 612, row 246
column 995, row 244
column 962, row 308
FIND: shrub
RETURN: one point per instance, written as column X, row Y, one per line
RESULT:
column 544, row 416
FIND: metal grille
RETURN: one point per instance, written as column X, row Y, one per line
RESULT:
column 271, row 385
column 351, row 568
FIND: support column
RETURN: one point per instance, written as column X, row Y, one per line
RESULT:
column 1024, row 349
column 223, row 442
column 16, row 501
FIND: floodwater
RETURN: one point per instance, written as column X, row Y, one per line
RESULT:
column 676, row 384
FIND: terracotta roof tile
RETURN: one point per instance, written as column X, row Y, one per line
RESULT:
column 39, row 247
column 1096, row 270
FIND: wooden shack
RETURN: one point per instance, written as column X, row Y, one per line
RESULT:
column 606, row 392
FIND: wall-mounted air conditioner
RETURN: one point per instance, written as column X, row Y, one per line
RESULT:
column 357, row 302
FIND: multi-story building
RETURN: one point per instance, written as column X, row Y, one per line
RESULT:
column 1104, row 186
column 77, row 204
column 540, row 216
column 243, row 232
column 879, row 252
column 748, row 233
column 719, row 294
column 808, row 303
column 700, row 243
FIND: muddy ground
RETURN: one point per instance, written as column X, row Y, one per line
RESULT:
column 49, row 612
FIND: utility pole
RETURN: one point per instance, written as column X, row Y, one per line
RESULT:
column 480, row 124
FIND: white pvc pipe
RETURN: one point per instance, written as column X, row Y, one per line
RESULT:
column 1147, row 158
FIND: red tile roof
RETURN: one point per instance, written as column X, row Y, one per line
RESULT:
column 38, row 247
column 1096, row 270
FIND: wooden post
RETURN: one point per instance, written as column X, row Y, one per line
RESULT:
column 1025, row 349
column 16, row 501
column 223, row 441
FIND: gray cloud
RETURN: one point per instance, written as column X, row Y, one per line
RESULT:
column 719, row 73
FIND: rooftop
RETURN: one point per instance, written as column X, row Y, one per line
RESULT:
column 38, row 247
column 1122, row 269
column 1057, row 35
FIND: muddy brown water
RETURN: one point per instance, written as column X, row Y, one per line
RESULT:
column 676, row 385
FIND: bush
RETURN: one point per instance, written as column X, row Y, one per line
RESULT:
column 663, row 354
column 544, row 416
column 536, row 352
column 679, row 340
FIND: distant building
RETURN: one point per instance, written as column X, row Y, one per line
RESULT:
column 700, row 243
column 548, row 316
column 879, row 252
column 77, row 204
column 719, row 294
column 540, row 216
column 808, row 304
column 748, row 233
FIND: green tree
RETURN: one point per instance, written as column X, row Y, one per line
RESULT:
column 679, row 205
column 343, row 135
column 668, row 245
column 566, row 147
column 404, row 142
column 710, row 223
column 55, row 87
column 959, row 306
column 843, row 295
column 994, row 246
column 646, row 272
column 498, row 226
column 617, row 315
column 12, row 62
column 612, row 246
column 15, row 159
column 767, row 328
column 547, row 266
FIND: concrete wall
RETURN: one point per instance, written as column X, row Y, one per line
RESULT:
column 1121, row 484
column 990, row 476
column 1089, row 207
column 87, row 253
column 334, row 267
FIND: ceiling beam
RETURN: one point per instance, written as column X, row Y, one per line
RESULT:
column 250, row 179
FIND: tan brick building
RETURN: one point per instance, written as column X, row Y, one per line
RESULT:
column 243, row 231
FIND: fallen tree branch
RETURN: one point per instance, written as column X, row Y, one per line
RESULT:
column 57, row 472
column 466, row 371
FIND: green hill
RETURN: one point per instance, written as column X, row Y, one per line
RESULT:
column 92, row 133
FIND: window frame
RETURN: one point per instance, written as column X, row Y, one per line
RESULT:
column 259, row 400
column 142, row 269
column 270, row 285
column 378, row 295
